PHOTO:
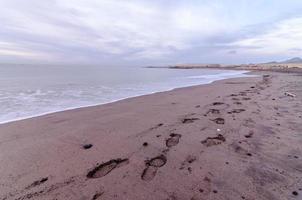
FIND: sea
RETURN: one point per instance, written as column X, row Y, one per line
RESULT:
column 33, row 90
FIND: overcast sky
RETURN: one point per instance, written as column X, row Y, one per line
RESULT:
column 149, row 32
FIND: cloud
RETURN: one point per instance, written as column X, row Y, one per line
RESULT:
column 281, row 38
column 106, row 27
column 93, row 31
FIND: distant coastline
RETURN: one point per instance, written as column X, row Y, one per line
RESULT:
column 293, row 65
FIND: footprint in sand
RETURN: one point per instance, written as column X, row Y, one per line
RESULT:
column 105, row 168
column 189, row 160
column 212, row 111
column 236, row 111
column 97, row 195
column 218, row 120
column 189, row 120
column 152, row 167
column 217, row 103
column 37, row 183
column 211, row 141
column 173, row 140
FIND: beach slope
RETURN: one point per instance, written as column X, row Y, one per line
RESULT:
column 233, row 139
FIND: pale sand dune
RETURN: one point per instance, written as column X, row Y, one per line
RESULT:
column 233, row 139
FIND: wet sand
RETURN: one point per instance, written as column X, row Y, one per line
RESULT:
column 233, row 139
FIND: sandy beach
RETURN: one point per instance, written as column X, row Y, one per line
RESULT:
column 233, row 139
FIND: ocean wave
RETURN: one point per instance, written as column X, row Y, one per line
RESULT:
column 20, row 103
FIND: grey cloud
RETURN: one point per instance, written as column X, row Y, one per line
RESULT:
column 125, row 32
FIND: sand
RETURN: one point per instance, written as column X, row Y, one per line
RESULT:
column 233, row 139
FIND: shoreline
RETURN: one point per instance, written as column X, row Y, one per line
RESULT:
column 236, row 138
column 109, row 102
